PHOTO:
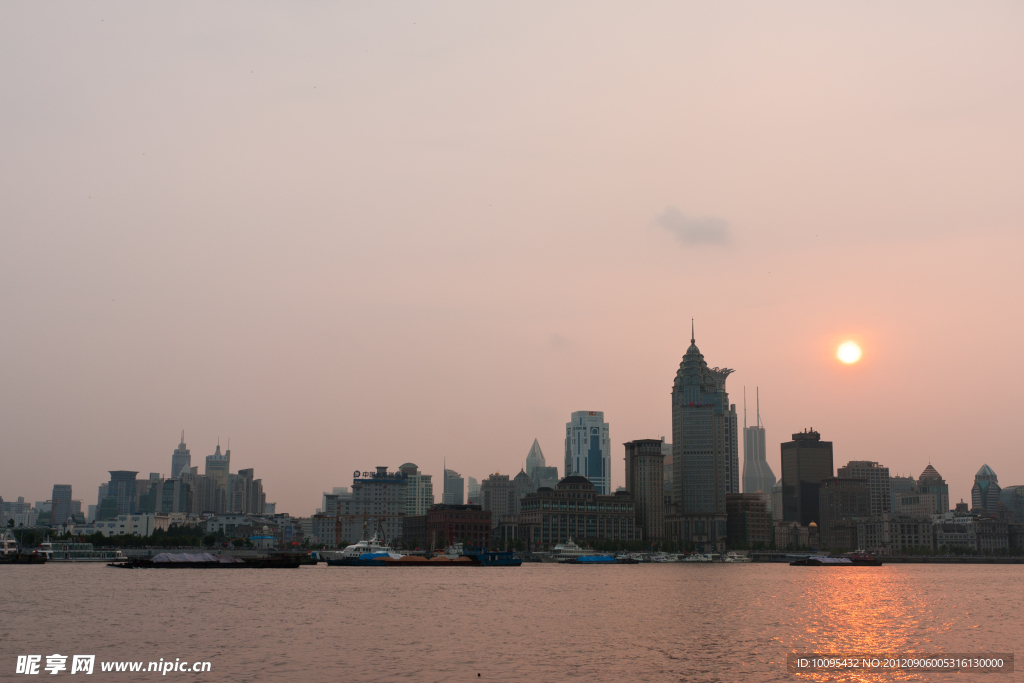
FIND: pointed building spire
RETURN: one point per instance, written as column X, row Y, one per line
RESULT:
column 758, row 406
column 693, row 337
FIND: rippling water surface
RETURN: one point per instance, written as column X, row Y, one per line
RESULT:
column 538, row 622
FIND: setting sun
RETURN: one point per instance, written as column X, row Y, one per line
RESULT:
column 848, row 352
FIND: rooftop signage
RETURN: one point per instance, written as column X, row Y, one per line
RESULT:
column 379, row 475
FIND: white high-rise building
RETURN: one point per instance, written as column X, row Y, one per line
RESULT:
column 588, row 449
column 419, row 490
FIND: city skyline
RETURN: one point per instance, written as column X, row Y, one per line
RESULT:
column 180, row 452
column 285, row 246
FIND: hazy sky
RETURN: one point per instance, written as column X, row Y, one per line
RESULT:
column 349, row 235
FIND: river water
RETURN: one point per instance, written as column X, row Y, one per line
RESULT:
column 538, row 622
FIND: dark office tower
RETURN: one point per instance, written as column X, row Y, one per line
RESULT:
column 123, row 489
column 61, row 510
column 181, row 459
column 806, row 460
column 757, row 475
column 704, row 452
column 645, row 479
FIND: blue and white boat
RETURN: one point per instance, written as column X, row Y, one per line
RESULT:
column 365, row 553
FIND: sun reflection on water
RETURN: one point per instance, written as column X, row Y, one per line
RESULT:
column 863, row 611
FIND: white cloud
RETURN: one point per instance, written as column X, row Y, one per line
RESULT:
column 694, row 230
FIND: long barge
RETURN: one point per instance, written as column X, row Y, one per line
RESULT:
column 207, row 561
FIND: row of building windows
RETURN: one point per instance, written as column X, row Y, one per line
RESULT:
column 581, row 505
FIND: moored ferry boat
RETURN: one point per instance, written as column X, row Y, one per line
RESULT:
column 62, row 551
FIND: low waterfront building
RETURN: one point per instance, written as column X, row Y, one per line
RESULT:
column 470, row 524
column 138, row 525
column 264, row 540
column 794, row 535
column 414, row 531
column 574, row 510
column 952, row 537
column 226, row 524
column 507, row 530
column 905, row 533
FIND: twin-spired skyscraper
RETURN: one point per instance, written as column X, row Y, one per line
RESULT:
column 757, row 475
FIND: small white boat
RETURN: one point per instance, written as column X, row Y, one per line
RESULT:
column 733, row 557
column 699, row 557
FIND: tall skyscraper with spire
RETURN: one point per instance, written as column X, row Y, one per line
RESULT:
column 218, row 467
column 181, row 459
column 757, row 474
column 705, row 452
